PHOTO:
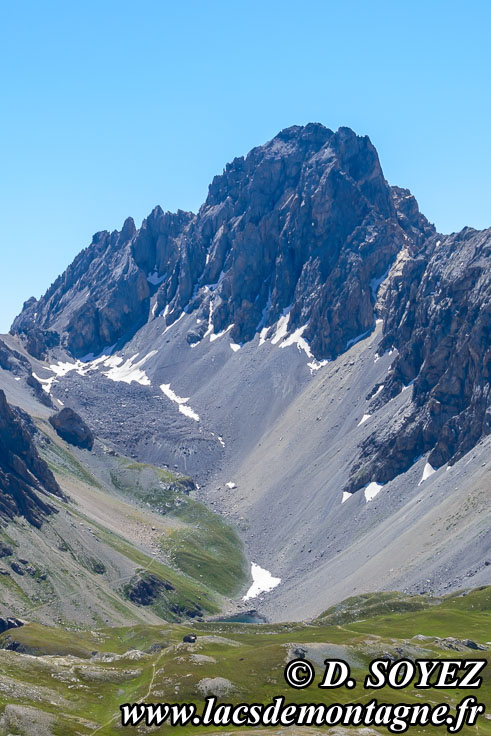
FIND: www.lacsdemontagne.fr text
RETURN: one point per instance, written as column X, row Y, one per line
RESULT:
column 397, row 718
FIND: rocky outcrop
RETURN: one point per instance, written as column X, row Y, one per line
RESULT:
column 13, row 361
column 24, row 476
column 303, row 227
column 145, row 589
column 71, row 427
column 437, row 309
column 5, row 550
column 10, row 623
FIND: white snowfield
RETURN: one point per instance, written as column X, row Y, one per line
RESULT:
column 180, row 401
column 364, row 419
column 215, row 335
column 427, row 471
column 314, row 365
column 346, row 495
column 372, row 490
column 119, row 370
column 128, row 371
column 263, row 582
column 281, row 327
column 296, row 339
column 286, row 340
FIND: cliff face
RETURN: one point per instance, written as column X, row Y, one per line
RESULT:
column 303, row 226
column 24, row 476
column 437, row 309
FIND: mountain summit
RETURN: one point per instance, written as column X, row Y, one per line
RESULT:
column 302, row 227
column 307, row 342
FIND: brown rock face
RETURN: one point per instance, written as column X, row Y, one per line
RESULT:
column 24, row 476
column 305, row 224
column 72, row 428
column 438, row 316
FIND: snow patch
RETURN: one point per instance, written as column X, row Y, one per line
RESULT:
column 166, row 389
column 188, row 412
column 296, row 339
column 155, row 279
column 346, row 495
column 364, row 419
column 118, row 370
column 372, row 490
column 314, row 365
column 231, row 485
column 180, row 401
column 174, row 323
column 234, row 346
column 427, row 471
column 209, row 329
column 129, row 371
column 378, row 390
column 375, row 283
column 214, row 336
column 46, row 383
column 281, row 327
column 263, row 582
column 262, row 335
column 354, row 340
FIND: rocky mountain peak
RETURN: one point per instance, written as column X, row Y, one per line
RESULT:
column 300, row 227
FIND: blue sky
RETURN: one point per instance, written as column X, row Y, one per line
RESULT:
column 112, row 107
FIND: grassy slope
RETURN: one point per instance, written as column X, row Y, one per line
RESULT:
column 251, row 657
column 201, row 556
column 202, row 545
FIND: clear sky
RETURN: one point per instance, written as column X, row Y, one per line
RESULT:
column 110, row 107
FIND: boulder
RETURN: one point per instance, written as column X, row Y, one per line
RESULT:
column 217, row 686
column 71, row 427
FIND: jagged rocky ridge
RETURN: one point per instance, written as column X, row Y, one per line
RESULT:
column 304, row 227
column 437, row 313
column 24, row 476
column 305, row 224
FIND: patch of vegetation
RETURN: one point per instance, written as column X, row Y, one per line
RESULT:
column 60, row 460
column 203, row 546
column 96, row 566
column 206, row 548
column 84, row 693
column 367, row 606
column 189, row 594
column 159, row 488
